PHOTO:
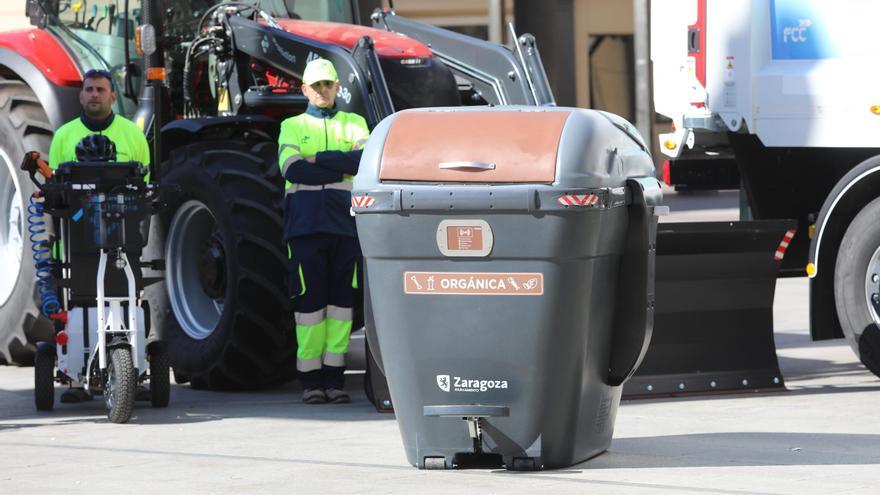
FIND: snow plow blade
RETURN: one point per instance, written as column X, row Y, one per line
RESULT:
column 713, row 327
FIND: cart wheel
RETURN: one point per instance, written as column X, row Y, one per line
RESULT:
column 44, row 381
column 435, row 463
column 121, row 386
column 160, row 376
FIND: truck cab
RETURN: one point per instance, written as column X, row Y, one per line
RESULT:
column 786, row 90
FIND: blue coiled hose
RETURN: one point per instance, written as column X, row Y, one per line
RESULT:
column 49, row 301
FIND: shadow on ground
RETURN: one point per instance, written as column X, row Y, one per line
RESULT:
column 739, row 449
column 194, row 406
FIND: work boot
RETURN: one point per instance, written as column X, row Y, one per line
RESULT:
column 74, row 395
column 337, row 396
column 314, row 396
column 333, row 377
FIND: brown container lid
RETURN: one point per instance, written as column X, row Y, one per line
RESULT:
column 473, row 146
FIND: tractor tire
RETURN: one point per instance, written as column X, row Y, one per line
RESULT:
column 121, row 387
column 160, row 377
column 24, row 126
column 857, row 286
column 44, row 381
column 223, row 310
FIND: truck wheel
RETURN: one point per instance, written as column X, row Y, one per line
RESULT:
column 121, row 386
column 44, row 381
column 24, row 126
column 160, row 376
column 857, row 285
column 229, row 325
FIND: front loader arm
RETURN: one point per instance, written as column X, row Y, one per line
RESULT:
column 362, row 87
column 499, row 75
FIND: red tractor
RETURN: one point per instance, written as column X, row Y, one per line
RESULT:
column 208, row 82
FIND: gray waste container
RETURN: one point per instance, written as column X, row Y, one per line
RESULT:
column 509, row 264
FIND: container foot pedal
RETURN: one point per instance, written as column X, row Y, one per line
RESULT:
column 473, row 415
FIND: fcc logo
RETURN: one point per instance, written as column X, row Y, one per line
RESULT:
column 443, row 382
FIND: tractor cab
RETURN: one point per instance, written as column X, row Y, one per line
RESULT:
column 102, row 34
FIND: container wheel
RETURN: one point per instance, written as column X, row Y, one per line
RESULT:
column 44, row 381
column 522, row 464
column 857, row 285
column 435, row 463
column 121, row 386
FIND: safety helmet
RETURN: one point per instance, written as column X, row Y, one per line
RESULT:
column 95, row 148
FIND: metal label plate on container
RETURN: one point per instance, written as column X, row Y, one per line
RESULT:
column 464, row 238
column 473, row 284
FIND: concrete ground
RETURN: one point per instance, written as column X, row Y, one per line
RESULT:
column 822, row 436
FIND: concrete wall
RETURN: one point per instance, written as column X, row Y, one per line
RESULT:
column 594, row 17
column 448, row 12
column 564, row 29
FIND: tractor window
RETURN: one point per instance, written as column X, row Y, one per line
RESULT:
column 182, row 17
column 320, row 10
column 95, row 31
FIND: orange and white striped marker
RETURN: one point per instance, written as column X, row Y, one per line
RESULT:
column 578, row 200
column 783, row 245
column 362, row 201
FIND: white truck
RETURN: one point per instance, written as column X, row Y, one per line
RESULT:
column 790, row 90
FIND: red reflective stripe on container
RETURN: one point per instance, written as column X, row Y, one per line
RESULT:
column 783, row 245
column 362, row 201
column 578, row 200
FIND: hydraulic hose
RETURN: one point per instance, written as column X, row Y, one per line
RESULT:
column 49, row 300
column 190, row 110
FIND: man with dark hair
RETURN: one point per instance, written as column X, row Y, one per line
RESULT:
column 97, row 98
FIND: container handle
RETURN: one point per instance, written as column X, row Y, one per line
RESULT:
column 467, row 411
column 467, row 165
column 634, row 307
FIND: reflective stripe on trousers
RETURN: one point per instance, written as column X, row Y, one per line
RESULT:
column 322, row 336
column 324, row 306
